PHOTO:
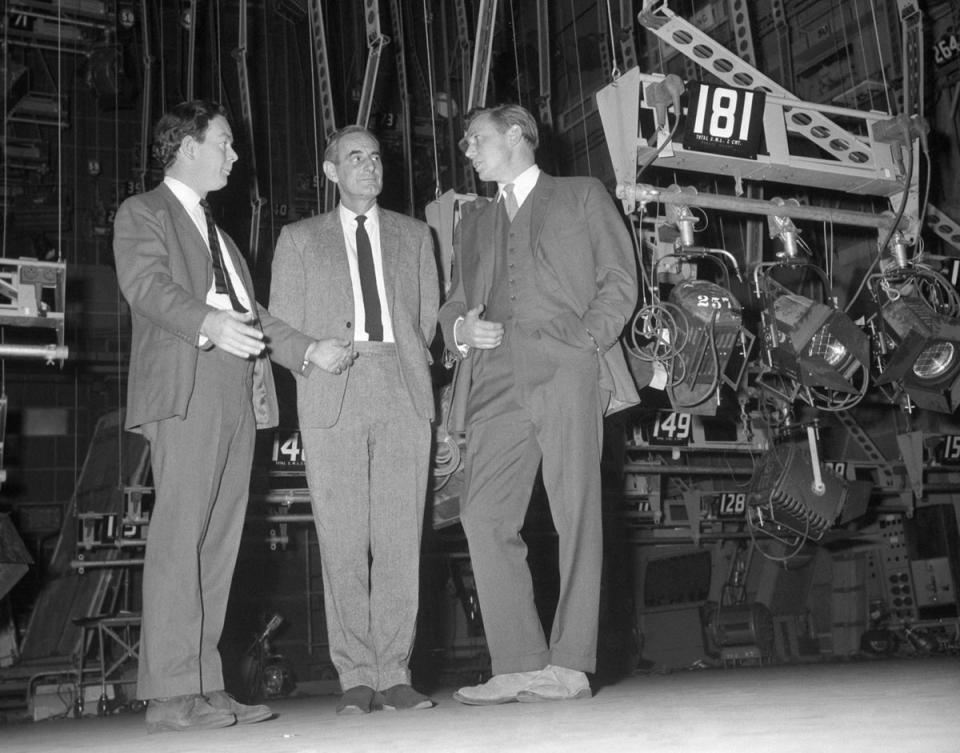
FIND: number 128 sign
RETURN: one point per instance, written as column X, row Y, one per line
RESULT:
column 724, row 120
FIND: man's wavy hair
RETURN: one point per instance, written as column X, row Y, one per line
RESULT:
column 330, row 153
column 186, row 119
column 506, row 115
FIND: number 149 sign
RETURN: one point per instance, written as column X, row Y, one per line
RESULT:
column 724, row 120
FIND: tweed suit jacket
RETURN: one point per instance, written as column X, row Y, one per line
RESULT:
column 583, row 257
column 312, row 291
column 164, row 270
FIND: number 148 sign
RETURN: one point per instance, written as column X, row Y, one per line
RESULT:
column 724, row 120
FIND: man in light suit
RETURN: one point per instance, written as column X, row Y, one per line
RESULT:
column 198, row 388
column 366, row 278
column 544, row 280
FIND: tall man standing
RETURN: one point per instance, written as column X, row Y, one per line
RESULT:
column 197, row 390
column 367, row 276
column 544, row 281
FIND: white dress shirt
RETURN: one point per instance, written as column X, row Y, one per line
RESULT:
column 348, row 221
column 191, row 202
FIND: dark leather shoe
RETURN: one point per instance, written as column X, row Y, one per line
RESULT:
column 402, row 697
column 185, row 712
column 356, row 700
column 221, row 699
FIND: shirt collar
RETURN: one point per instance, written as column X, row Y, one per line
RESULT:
column 523, row 184
column 348, row 216
column 186, row 195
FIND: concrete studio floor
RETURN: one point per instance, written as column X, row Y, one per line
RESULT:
column 901, row 705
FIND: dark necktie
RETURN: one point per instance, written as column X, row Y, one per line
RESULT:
column 221, row 278
column 510, row 201
column 368, row 282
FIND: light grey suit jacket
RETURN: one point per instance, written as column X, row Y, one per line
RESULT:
column 311, row 291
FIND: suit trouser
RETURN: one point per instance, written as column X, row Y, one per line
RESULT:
column 201, row 474
column 534, row 398
column 368, row 478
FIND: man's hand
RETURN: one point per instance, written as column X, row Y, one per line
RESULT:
column 233, row 332
column 477, row 332
column 334, row 354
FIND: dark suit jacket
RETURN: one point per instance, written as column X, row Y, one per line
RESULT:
column 164, row 270
column 311, row 290
column 583, row 256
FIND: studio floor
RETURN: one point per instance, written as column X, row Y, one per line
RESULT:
column 875, row 706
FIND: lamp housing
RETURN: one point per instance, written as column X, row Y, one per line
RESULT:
column 710, row 321
column 926, row 360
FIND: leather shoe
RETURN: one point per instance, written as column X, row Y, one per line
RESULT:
column 221, row 699
column 402, row 697
column 185, row 712
column 498, row 689
column 356, row 700
column 555, row 683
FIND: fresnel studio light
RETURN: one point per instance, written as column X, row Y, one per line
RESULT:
column 813, row 351
column 919, row 338
column 793, row 498
column 694, row 333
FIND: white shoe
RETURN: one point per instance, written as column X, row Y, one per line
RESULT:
column 498, row 689
column 555, row 683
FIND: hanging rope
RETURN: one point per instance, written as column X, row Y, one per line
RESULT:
column 846, row 46
column 266, row 44
column 882, row 62
column 433, row 104
column 615, row 72
column 583, row 120
column 516, row 58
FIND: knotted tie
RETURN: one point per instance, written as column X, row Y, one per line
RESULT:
column 510, row 201
column 368, row 282
column 221, row 278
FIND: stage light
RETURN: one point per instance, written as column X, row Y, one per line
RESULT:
column 708, row 325
column 817, row 346
column 926, row 361
column 794, row 499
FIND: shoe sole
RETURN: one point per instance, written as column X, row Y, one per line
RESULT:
column 154, row 727
column 422, row 705
column 484, row 701
column 254, row 719
column 352, row 710
column 528, row 696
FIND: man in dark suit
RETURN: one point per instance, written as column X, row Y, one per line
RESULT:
column 367, row 278
column 544, row 280
column 198, row 388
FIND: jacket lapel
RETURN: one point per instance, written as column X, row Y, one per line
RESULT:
column 389, row 251
column 540, row 196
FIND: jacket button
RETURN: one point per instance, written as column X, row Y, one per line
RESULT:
column 349, row 325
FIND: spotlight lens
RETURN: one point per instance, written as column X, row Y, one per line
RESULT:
column 828, row 347
column 934, row 360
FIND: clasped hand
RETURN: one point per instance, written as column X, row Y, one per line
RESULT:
column 234, row 333
column 334, row 354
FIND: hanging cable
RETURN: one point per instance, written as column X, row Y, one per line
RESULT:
column 314, row 86
column 59, row 136
column 433, row 104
